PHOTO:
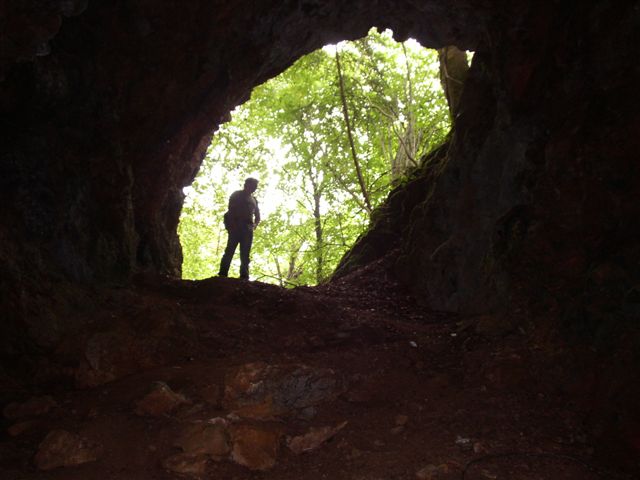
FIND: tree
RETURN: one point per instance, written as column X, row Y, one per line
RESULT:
column 454, row 69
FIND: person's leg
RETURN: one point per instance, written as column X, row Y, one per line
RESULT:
column 232, row 242
column 245, row 250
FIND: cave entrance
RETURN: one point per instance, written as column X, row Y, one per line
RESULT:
column 328, row 138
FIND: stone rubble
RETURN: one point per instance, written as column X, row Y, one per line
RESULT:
column 159, row 401
column 19, row 428
column 209, row 438
column 187, row 464
column 34, row 407
column 433, row 472
column 255, row 446
column 261, row 391
column 61, row 448
column 313, row 439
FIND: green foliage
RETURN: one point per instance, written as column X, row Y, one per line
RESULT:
column 292, row 135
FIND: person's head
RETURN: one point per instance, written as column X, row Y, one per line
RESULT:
column 250, row 185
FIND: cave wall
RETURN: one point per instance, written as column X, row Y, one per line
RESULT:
column 108, row 106
column 539, row 193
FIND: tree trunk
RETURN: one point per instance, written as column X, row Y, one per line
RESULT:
column 294, row 270
column 407, row 149
column 279, row 271
column 317, row 220
column 453, row 72
column 406, row 153
column 345, row 112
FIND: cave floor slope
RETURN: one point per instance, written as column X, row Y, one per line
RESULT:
column 224, row 379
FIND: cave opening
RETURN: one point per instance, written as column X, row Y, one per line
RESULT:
column 316, row 193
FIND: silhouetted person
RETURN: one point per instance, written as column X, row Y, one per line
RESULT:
column 241, row 219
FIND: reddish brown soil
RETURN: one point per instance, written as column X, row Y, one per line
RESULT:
column 393, row 358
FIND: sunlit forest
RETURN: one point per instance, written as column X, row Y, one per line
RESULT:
column 327, row 139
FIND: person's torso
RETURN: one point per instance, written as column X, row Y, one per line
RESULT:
column 242, row 205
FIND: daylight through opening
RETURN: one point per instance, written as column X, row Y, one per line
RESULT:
column 328, row 139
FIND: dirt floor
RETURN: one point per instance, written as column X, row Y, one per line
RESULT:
column 351, row 380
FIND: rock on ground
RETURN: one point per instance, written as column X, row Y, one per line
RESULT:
column 31, row 408
column 434, row 472
column 206, row 438
column 187, row 464
column 160, row 400
column 258, row 390
column 255, row 447
column 65, row 449
column 313, row 438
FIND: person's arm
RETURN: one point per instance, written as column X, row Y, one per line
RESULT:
column 256, row 215
column 232, row 202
